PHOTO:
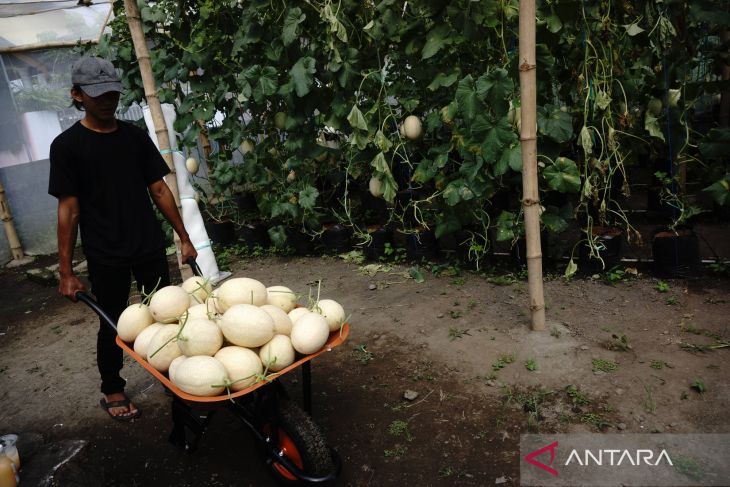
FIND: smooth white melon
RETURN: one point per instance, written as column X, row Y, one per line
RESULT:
column 376, row 187
column 282, row 322
column 247, row 325
column 281, row 297
column 240, row 290
column 297, row 313
column 134, row 319
column 201, row 376
column 412, row 128
column 332, row 311
column 173, row 366
column 168, row 303
column 278, row 353
column 309, row 333
column 200, row 337
column 242, row 365
column 198, row 311
column 162, row 349
column 198, row 288
column 142, row 341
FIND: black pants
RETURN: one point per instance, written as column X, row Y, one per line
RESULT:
column 110, row 285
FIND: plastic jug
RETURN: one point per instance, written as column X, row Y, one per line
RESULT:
column 8, row 476
column 9, row 449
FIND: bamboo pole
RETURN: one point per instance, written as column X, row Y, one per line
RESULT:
column 134, row 20
column 528, row 144
column 16, row 250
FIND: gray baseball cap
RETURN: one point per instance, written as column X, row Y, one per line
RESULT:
column 95, row 76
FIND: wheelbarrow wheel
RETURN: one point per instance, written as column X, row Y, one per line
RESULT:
column 300, row 440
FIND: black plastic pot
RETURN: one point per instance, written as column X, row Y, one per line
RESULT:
column 223, row 233
column 610, row 239
column 337, row 239
column 420, row 244
column 676, row 253
column 299, row 242
column 255, row 234
column 246, row 203
column 376, row 247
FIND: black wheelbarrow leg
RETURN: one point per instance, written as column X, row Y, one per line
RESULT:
column 188, row 425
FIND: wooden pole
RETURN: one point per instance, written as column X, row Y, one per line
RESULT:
column 16, row 249
column 134, row 20
column 528, row 144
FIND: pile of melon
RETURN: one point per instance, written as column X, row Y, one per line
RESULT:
column 209, row 340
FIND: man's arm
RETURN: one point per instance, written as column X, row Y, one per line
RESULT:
column 68, row 225
column 165, row 202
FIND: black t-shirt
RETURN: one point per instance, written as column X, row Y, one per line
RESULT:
column 109, row 174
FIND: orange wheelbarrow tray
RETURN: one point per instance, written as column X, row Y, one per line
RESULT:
column 263, row 407
column 335, row 339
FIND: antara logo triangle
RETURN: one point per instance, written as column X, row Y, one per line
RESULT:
column 530, row 458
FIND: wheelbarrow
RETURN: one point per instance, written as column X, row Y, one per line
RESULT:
column 290, row 442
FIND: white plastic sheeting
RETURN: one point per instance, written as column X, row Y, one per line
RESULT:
column 192, row 218
column 27, row 25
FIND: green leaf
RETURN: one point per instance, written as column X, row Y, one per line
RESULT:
column 383, row 143
column 499, row 137
column 651, row 124
column 603, row 100
column 506, row 223
column 301, row 75
column 266, row 84
column 416, row 274
column 277, row 235
column 555, row 123
column 633, row 29
column 447, row 226
column 553, row 220
column 571, row 269
column 563, row 175
column 586, row 141
column 466, row 98
column 715, row 146
column 720, row 191
column 291, row 25
column 308, row 197
column 511, row 159
column 435, row 40
column 356, row 119
column 457, row 191
column 553, row 23
column 442, row 79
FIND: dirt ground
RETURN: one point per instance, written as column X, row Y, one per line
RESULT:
column 616, row 358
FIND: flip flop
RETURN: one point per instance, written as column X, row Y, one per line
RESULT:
column 118, row 404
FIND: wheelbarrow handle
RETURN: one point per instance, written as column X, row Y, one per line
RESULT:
column 194, row 266
column 91, row 303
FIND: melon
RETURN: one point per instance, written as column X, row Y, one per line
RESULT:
column 200, row 337
column 242, row 365
column 198, row 311
column 163, row 349
column 173, row 366
column 143, row 339
column 309, row 333
column 297, row 313
column 198, row 288
column 278, row 354
column 281, row 297
column 282, row 322
column 192, row 165
column 332, row 312
column 247, row 325
column 132, row 321
column 201, row 376
column 168, row 303
column 412, row 128
column 240, row 290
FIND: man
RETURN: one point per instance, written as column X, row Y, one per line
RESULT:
column 103, row 172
